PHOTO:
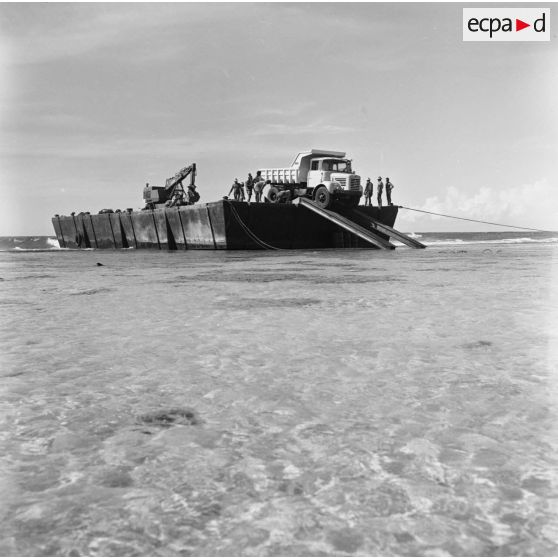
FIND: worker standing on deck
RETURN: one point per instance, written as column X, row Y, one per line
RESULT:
column 380, row 190
column 368, row 191
column 249, row 186
column 259, row 184
column 389, row 188
column 236, row 189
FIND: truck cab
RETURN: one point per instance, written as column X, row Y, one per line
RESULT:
column 332, row 178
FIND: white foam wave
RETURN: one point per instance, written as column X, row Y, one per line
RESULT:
column 18, row 249
column 54, row 243
column 460, row 241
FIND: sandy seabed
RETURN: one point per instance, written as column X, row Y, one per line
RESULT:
column 280, row 403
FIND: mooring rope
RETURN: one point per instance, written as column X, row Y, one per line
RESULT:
column 473, row 220
column 247, row 230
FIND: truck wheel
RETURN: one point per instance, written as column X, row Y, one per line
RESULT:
column 273, row 195
column 322, row 197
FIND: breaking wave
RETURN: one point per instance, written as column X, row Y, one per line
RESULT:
column 28, row 243
column 466, row 241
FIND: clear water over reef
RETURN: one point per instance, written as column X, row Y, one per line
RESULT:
column 280, row 403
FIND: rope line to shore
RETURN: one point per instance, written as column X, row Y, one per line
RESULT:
column 473, row 220
column 247, row 230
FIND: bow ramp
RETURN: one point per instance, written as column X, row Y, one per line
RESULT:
column 347, row 224
column 392, row 233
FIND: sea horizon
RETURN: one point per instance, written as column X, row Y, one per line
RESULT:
column 17, row 243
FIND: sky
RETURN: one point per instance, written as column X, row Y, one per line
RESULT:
column 98, row 99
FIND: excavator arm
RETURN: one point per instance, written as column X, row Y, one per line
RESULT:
column 182, row 174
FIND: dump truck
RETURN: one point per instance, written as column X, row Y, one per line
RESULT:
column 323, row 176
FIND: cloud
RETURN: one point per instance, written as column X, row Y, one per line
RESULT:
column 529, row 205
column 83, row 146
column 44, row 33
column 293, row 108
column 301, row 129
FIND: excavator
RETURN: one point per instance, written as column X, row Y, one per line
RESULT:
column 172, row 193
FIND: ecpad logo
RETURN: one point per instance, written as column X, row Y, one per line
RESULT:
column 506, row 24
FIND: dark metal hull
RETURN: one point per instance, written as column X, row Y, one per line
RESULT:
column 221, row 225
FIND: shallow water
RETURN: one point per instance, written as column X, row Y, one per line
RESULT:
column 285, row 403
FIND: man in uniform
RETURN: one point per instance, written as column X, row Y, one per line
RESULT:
column 389, row 188
column 380, row 190
column 259, row 184
column 368, row 191
column 236, row 188
column 249, row 186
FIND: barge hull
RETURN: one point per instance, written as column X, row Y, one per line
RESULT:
column 221, row 225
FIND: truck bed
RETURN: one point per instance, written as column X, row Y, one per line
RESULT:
column 287, row 175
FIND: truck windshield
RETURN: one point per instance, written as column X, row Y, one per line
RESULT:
column 336, row 166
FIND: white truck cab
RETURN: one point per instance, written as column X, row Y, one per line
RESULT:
column 322, row 175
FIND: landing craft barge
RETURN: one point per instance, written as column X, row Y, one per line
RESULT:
column 312, row 204
column 221, row 225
